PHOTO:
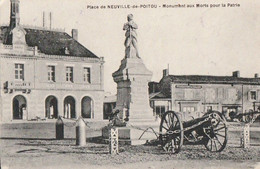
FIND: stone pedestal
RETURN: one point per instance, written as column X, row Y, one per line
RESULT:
column 132, row 89
column 133, row 102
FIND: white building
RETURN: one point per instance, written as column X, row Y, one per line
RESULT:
column 46, row 73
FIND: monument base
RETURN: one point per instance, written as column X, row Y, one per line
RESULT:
column 132, row 79
column 135, row 132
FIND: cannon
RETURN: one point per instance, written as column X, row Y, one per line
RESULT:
column 248, row 117
column 209, row 130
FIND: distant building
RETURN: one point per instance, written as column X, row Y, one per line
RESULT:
column 109, row 105
column 195, row 94
column 46, row 73
column 159, row 101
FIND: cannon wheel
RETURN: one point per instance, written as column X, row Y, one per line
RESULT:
column 216, row 133
column 171, row 132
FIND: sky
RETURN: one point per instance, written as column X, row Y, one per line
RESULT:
column 192, row 41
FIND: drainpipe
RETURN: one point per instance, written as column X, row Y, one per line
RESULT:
column 243, row 101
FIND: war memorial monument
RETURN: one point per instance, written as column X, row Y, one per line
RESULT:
column 132, row 79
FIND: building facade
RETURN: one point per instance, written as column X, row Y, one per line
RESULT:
column 46, row 73
column 193, row 95
column 109, row 106
column 158, row 101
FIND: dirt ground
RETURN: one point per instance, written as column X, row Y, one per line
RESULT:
column 34, row 146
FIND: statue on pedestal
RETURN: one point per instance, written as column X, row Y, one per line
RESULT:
column 132, row 111
column 131, row 49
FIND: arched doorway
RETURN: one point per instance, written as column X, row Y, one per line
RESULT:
column 51, row 107
column 87, row 107
column 69, row 107
column 19, row 107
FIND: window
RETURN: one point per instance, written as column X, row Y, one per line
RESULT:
column 210, row 94
column 69, row 74
column 188, row 109
column 13, row 8
column 252, row 95
column 17, row 8
column 220, row 93
column 209, row 108
column 86, row 74
column 19, row 71
column 232, row 94
column 51, row 73
column 159, row 110
column 189, row 94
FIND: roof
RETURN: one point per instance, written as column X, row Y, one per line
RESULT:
column 153, row 87
column 158, row 95
column 49, row 42
column 110, row 99
column 213, row 79
column 165, row 83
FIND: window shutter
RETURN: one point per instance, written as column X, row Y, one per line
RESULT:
column 258, row 95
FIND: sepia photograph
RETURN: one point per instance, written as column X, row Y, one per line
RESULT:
column 129, row 84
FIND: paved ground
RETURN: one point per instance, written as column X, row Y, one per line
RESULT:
column 32, row 145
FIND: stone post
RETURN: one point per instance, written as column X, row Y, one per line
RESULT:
column 59, row 129
column 80, row 132
column 245, row 136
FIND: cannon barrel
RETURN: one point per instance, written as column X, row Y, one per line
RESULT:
column 240, row 116
column 194, row 121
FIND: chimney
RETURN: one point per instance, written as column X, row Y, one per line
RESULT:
column 50, row 20
column 74, row 34
column 256, row 75
column 14, row 13
column 43, row 19
column 35, row 50
column 236, row 74
column 1, row 37
column 165, row 72
column 66, row 51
